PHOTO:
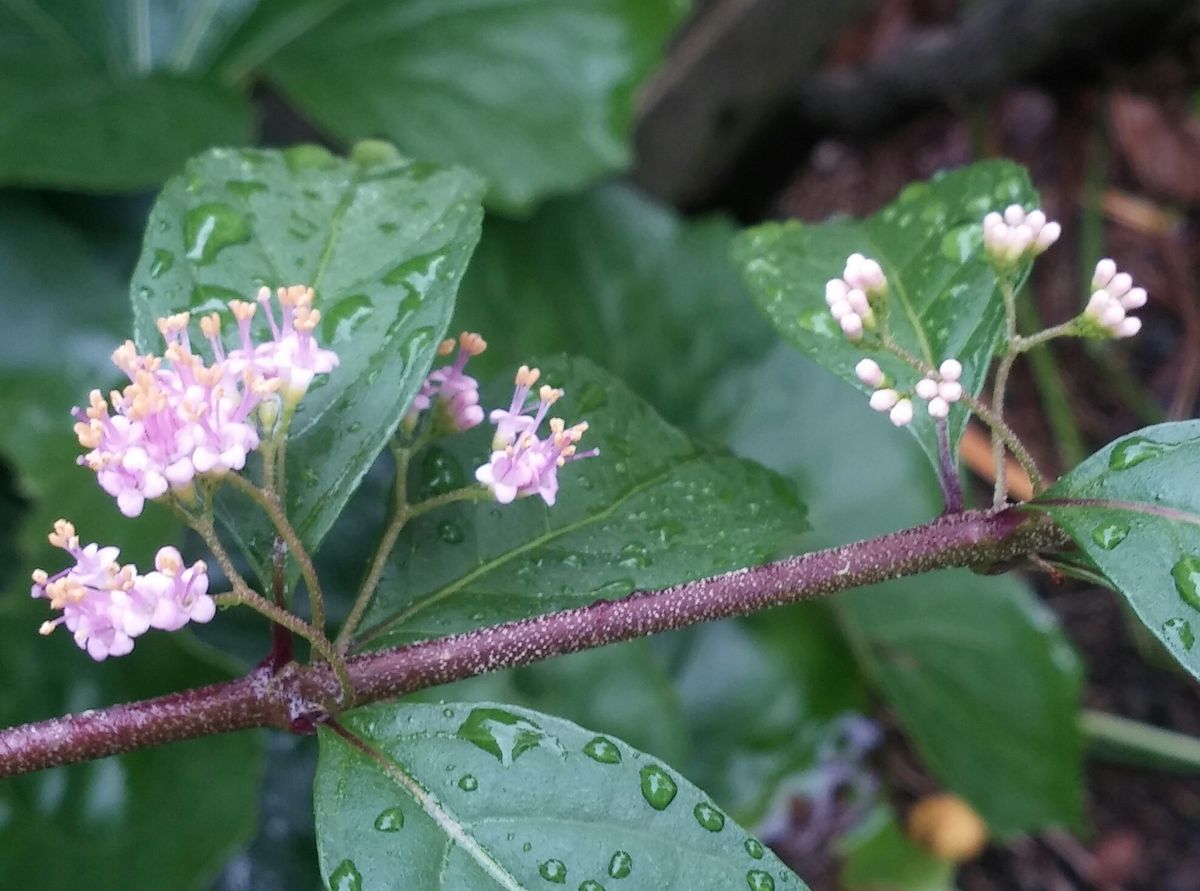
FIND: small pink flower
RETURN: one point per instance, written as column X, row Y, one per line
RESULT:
column 452, row 393
column 106, row 606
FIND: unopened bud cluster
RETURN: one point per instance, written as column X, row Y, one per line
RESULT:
column 1015, row 235
column 940, row 389
column 1113, row 297
column 854, row 298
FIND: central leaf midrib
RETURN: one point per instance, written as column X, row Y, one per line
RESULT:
column 489, row 566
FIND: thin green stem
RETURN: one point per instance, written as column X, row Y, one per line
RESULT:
column 1132, row 742
column 1024, row 344
column 1000, row 387
column 995, row 423
column 271, row 504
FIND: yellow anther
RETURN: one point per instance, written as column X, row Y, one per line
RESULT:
column 557, row 425
column 549, row 395
column 63, row 535
column 244, row 311
column 210, row 325
column 168, row 563
column 40, row 576
column 264, row 294
column 47, row 628
column 472, row 343
column 527, row 377
column 89, row 434
column 446, row 347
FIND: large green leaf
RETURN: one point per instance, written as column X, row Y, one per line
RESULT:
column 934, row 645
column 1133, row 508
column 624, row 281
column 64, row 308
column 942, row 292
column 383, row 241
column 477, row 796
column 651, row 511
column 113, row 96
column 537, row 95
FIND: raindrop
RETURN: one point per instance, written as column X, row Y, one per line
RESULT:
column 1180, row 630
column 603, row 750
column 450, row 531
column 308, row 157
column 634, row 556
column 621, row 865
column 1187, row 580
column 657, row 787
column 210, row 228
column 553, row 871
column 448, row 713
column 163, row 261
column 440, row 473
column 758, row 880
column 388, row 227
column 391, row 820
column 346, row 877
column 1133, row 451
column 244, row 188
column 1110, row 535
column 709, row 817
column 527, row 847
column 340, row 321
column 468, row 783
column 212, row 298
column 501, row 734
column 754, row 848
column 591, row 885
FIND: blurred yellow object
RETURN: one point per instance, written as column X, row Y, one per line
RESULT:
column 947, row 826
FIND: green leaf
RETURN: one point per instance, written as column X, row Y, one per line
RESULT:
column 382, row 240
column 113, row 96
column 942, row 298
column 652, row 510
column 477, row 796
column 614, row 276
column 536, row 95
column 63, row 305
column 1133, row 508
column 878, row 855
column 933, row 645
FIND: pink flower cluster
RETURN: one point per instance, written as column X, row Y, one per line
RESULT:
column 106, row 605
column 453, row 394
column 1016, row 235
column 522, row 464
column 940, row 389
column 179, row 418
column 1113, row 297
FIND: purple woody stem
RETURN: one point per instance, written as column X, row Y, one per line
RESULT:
column 298, row 697
column 952, row 493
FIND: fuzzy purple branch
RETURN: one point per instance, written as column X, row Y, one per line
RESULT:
column 297, row 697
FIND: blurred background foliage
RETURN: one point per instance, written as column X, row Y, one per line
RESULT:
column 623, row 143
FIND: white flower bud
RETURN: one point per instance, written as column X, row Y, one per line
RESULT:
column 1120, row 284
column 950, row 370
column 882, row 400
column 872, row 275
column 1014, row 215
column 1048, row 234
column 858, row 301
column 1098, row 303
column 1036, row 220
column 869, row 372
column 992, row 220
column 950, row 391
column 835, row 290
column 840, row 309
column 927, row 388
column 852, row 325
column 1135, row 298
column 938, row 407
column 902, row 413
column 1128, row 327
column 1112, row 316
column 1105, row 270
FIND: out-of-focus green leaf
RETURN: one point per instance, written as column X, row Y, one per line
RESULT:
column 536, row 95
column 113, row 96
column 624, row 281
column 880, row 857
column 934, row 645
column 63, row 307
column 652, row 510
column 1133, row 508
column 382, row 240
column 942, row 295
column 477, row 796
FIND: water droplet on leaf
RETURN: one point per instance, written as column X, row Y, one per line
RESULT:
column 553, row 871
column 657, row 787
column 391, row 820
column 340, row 321
column 1133, row 451
column 1110, row 535
column 1180, row 630
column 502, row 734
column 345, row 878
column 758, row 880
column 754, row 848
column 590, row 885
column 450, row 531
column 621, row 865
column 163, row 261
column 210, row 228
column 468, row 783
column 1187, row 580
column 709, row 817
column 603, row 750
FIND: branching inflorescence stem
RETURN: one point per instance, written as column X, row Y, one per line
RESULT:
column 297, row 697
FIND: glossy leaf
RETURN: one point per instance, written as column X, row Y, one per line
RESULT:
column 63, row 308
column 477, row 796
column 614, row 276
column 382, row 240
column 1133, row 508
column 113, row 96
column 536, row 95
column 935, row 645
column 651, row 511
column 943, row 301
